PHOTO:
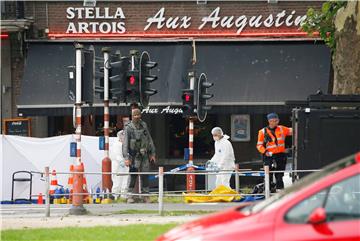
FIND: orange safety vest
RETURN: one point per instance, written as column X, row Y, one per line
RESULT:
column 280, row 133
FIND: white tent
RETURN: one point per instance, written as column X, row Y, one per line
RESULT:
column 34, row 154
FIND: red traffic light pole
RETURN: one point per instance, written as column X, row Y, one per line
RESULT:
column 77, row 207
column 190, row 178
column 106, row 162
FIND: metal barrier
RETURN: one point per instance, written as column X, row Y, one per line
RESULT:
column 160, row 174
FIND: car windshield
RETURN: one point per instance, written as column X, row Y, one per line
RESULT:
column 257, row 207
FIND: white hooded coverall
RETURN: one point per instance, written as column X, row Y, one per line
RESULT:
column 120, row 182
column 225, row 160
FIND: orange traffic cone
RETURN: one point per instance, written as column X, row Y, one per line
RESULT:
column 53, row 183
column 85, row 190
column 40, row 199
column 71, row 180
column 84, row 187
column 71, row 196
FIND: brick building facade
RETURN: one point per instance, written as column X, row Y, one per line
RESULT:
column 182, row 17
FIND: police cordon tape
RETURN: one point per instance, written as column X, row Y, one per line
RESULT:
column 244, row 173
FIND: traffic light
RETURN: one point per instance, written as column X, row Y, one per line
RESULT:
column 88, row 77
column 188, row 102
column 117, row 67
column 117, row 77
column 202, row 97
column 129, row 77
column 132, row 86
column 99, row 78
column 71, row 83
column 132, row 78
column 145, row 78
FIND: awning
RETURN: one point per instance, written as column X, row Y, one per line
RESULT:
column 155, row 110
column 45, row 81
column 244, row 73
column 261, row 72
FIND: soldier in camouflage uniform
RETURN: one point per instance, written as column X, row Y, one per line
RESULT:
column 138, row 151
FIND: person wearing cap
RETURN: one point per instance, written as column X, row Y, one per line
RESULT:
column 271, row 144
column 138, row 151
column 224, row 157
column 120, row 182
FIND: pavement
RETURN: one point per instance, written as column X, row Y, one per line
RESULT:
column 33, row 216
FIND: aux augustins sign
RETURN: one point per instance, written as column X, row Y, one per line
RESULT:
column 106, row 20
column 162, row 110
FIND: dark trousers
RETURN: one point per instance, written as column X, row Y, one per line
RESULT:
column 144, row 181
column 276, row 162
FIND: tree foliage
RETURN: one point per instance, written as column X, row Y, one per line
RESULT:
column 322, row 21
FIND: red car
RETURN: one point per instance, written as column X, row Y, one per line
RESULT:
column 322, row 206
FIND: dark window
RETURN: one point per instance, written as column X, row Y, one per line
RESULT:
column 300, row 213
column 179, row 137
column 341, row 201
column 99, row 126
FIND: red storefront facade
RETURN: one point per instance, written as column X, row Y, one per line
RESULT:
column 174, row 19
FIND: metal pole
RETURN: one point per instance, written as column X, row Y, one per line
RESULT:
column 139, row 184
column 161, row 190
column 190, row 179
column 106, row 100
column 191, row 142
column 191, row 124
column 237, row 179
column 47, row 188
column 106, row 162
column 78, row 103
column 267, row 181
column 77, row 207
column 1, row 97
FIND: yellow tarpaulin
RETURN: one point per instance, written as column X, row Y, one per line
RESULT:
column 188, row 198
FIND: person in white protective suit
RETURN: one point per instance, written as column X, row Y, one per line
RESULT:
column 120, row 182
column 224, row 157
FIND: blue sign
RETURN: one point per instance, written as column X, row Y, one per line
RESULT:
column 186, row 154
column 72, row 149
column 101, row 142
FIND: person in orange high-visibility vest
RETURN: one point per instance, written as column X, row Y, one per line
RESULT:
column 271, row 144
